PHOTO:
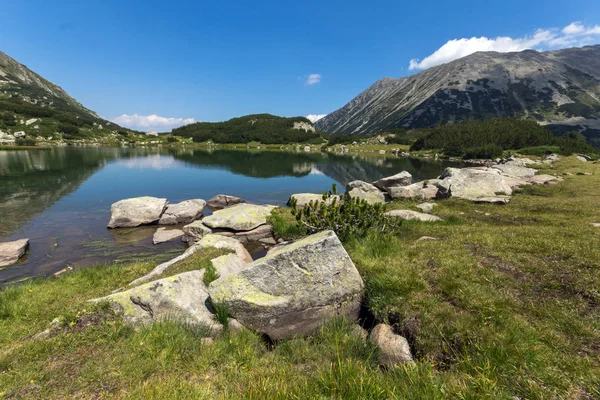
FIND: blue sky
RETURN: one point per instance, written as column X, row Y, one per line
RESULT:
column 210, row 61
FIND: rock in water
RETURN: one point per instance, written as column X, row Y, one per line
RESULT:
column 164, row 235
column 294, row 290
column 183, row 213
column 181, row 297
column 404, row 178
column 478, row 184
column 241, row 217
column 365, row 191
column 10, row 252
column 134, row 212
column 412, row 215
column 394, row 348
column 195, row 231
column 222, row 201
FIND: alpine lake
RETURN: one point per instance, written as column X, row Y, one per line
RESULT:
column 60, row 197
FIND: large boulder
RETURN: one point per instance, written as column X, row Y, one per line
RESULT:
column 295, row 289
column 365, row 191
column 222, row 201
column 241, row 217
column 183, row 213
column 302, row 199
column 138, row 211
column 10, row 252
column 410, row 215
column 479, row 184
column 515, row 171
column 416, row 191
column 180, row 297
column 393, row 349
column 404, row 178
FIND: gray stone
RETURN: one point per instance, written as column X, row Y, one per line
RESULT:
column 552, row 158
column 394, row 349
column 294, row 290
column 416, row 191
column 228, row 264
column 164, row 235
column 515, row 170
column 222, row 201
column 241, row 217
column 410, row 215
column 10, row 252
column 183, row 213
column 257, row 234
column 181, row 297
column 359, row 332
column 479, row 184
column 137, row 211
column 426, row 207
column 302, row 199
column 596, row 224
column 425, row 239
column 365, row 191
column 543, row 179
column 404, row 178
column 195, row 231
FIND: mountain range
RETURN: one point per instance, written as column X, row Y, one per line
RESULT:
column 560, row 89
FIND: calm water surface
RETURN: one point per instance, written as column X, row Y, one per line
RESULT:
column 60, row 198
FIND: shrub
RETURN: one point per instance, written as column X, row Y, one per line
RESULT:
column 487, row 151
column 348, row 217
column 25, row 142
column 539, row 150
column 172, row 139
column 210, row 274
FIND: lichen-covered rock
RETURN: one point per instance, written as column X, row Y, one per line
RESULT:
column 394, row 349
column 137, row 211
column 222, row 201
column 195, row 231
column 257, row 234
column 180, row 297
column 410, row 215
column 515, row 171
column 543, row 179
column 164, row 235
column 241, row 217
column 10, row 252
column 404, row 178
column 415, row 191
column 365, row 191
column 478, row 184
column 183, row 213
column 302, row 199
column 294, row 290
column 426, row 207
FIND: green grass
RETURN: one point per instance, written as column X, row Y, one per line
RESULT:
column 210, row 274
column 505, row 304
column 285, row 225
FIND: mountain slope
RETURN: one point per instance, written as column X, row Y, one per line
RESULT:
column 37, row 107
column 559, row 87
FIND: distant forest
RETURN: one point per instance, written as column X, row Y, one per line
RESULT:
column 263, row 128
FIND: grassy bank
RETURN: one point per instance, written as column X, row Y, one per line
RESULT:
column 505, row 302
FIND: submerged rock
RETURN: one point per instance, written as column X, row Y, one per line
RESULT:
column 365, row 191
column 11, row 252
column 180, row 297
column 404, row 178
column 412, row 215
column 164, row 235
column 295, row 289
column 222, row 201
column 241, row 217
column 183, row 213
column 394, row 349
column 129, row 213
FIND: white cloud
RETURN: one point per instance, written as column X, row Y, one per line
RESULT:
column 151, row 122
column 312, row 79
column 574, row 34
column 315, row 117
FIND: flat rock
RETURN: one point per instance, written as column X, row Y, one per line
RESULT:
column 410, row 215
column 515, row 171
column 183, row 213
column 543, row 179
column 228, row 264
column 241, row 217
column 404, row 178
column 129, row 213
column 10, row 252
column 365, row 191
column 302, row 199
column 195, row 231
column 426, row 207
column 182, row 297
column 475, row 184
column 294, row 290
column 222, row 201
column 394, row 349
column 255, row 235
column 164, row 235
